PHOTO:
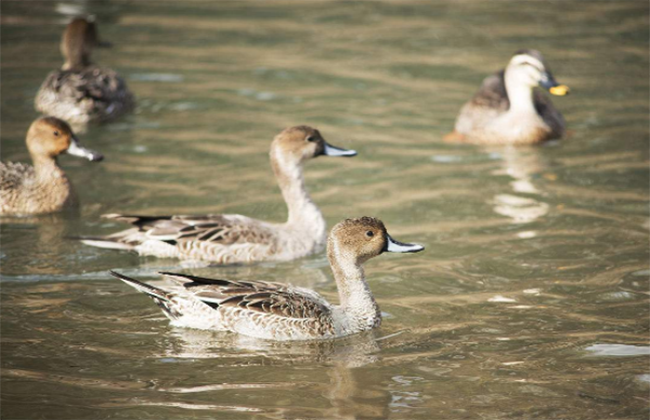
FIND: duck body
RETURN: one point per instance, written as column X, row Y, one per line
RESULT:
column 508, row 109
column 82, row 92
column 258, row 309
column 279, row 311
column 231, row 238
column 82, row 96
column 23, row 190
column 218, row 238
column 44, row 187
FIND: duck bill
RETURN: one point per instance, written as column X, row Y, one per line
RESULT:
column 75, row 150
column 549, row 83
column 329, row 150
column 559, row 90
column 396, row 246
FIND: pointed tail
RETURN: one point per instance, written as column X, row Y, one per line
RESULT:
column 162, row 298
column 103, row 242
column 145, row 288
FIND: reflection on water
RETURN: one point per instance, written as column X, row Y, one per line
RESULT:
column 353, row 352
column 521, row 164
column 531, row 300
column 618, row 350
column 519, row 209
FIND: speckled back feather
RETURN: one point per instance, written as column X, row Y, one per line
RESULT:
column 92, row 94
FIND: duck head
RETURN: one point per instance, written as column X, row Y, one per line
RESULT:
column 49, row 137
column 527, row 67
column 364, row 238
column 78, row 41
column 298, row 144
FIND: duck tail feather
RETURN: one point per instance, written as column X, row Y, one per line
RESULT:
column 187, row 278
column 145, row 288
column 103, row 242
column 135, row 219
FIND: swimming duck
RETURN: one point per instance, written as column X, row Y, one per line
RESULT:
column 44, row 187
column 232, row 238
column 508, row 109
column 81, row 92
column 279, row 311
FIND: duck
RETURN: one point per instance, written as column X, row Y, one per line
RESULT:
column 278, row 311
column 508, row 110
column 43, row 187
column 235, row 239
column 80, row 92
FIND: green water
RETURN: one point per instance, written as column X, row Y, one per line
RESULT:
column 530, row 301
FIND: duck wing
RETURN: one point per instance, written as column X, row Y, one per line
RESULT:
column 214, row 228
column 97, row 91
column 492, row 93
column 13, row 175
column 488, row 103
column 256, row 296
column 551, row 116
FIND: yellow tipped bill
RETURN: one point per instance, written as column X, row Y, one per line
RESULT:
column 559, row 90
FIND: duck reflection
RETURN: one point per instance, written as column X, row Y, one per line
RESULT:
column 36, row 243
column 339, row 358
column 103, row 10
column 349, row 400
column 354, row 351
column 521, row 165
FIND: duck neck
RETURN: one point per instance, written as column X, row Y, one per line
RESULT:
column 303, row 213
column 47, row 168
column 53, row 182
column 76, row 55
column 520, row 95
column 76, row 62
column 354, row 293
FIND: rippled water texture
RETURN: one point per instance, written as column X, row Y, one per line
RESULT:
column 530, row 301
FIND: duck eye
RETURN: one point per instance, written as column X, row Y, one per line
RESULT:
column 56, row 133
column 311, row 138
column 370, row 234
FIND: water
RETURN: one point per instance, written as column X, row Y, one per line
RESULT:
column 530, row 301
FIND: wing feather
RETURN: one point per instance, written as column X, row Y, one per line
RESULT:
column 262, row 297
column 549, row 113
column 211, row 229
column 13, row 175
column 100, row 92
column 492, row 93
